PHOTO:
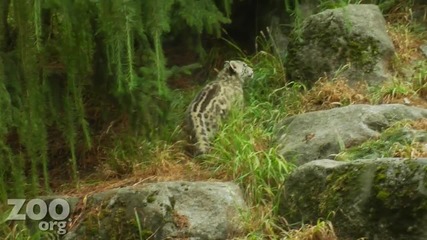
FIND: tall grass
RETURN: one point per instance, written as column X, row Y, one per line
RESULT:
column 243, row 151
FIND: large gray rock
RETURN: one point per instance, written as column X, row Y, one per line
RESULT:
column 318, row 135
column 327, row 41
column 184, row 210
column 376, row 199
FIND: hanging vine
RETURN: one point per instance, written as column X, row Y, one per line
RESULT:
column 56, row 56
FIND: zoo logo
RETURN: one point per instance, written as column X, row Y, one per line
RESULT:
column 59, row 217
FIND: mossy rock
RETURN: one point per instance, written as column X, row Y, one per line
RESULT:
column 331, row 129
column 371, row 198
column 165, row 210
column 352, row 40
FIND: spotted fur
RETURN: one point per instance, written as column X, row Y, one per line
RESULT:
column 206, row 112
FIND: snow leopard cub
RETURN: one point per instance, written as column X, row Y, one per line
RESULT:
column 207, row 110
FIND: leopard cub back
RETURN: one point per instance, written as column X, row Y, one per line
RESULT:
column 212, row 104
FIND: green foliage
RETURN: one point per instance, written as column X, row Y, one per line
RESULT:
column 19, row 231
column 242, row 152
column 293, row 5
column 330, row 4
column 60, row 60
column 387, row 5
column 242, row 149
column 397, row 88
column 270, row 84
column 420, row 79
column 207, row 17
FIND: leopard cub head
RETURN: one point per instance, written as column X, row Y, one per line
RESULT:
column 239, row 68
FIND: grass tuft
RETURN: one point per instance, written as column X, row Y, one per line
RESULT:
column 323, row 230
column 404, row 139
column 327, row 94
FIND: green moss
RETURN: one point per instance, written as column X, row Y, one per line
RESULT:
column 389, row 195
column 363, row 52
column 152, row 196
column 383, row 195
column 380, row 177
column 380, row 174
column 338, row 191
column 425, row 177
column 374, row 197
column 397, row 187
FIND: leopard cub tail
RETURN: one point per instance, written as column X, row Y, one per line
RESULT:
column 202, row 147
column 197, row 143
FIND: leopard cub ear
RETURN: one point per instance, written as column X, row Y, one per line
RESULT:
column 233, row 67
column 226, row 64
